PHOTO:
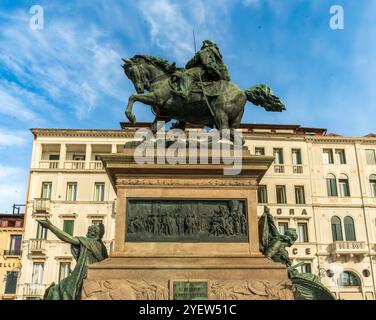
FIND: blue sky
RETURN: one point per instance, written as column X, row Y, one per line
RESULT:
column 68, row 75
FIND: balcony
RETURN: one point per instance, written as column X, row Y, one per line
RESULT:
column 49, row 164
column 95, row 165
column 297, row 169
column 42, row 205
column 37, row 246
column 74, row 164
column 279, row 168
column 348, row 249
column 33, row 290
column 12, row 253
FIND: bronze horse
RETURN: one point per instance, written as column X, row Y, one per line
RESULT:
column 221, row 108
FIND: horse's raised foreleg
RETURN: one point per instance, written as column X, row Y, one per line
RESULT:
column 146, row 98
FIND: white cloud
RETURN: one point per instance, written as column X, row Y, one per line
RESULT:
column 70, row 66
column 172, row 23
column 170, row 29
column 12, row 138
column 13, row 186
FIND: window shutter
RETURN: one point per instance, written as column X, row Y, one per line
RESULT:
column 11, row 282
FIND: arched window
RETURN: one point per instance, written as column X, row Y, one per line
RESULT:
column 331, row 184
column 336, row 229
column 349, row 229
column 372, row 182
column 344, row 188
column 348, row 279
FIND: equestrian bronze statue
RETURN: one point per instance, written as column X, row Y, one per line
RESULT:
column 200, row 94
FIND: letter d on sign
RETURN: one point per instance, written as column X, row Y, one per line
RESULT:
column 337, row 21
column 36, row 21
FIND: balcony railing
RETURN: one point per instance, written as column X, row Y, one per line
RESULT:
column 37, row 246
column 42, row 205
column 33, row 290
column 12, row 253
column 95, row 165
column 74, row 164
column 348, row 248
column 48, row 164
column 279, row 168
column 71, row 164
column 297, row 169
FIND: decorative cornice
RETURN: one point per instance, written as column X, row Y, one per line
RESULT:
column 340, row 139
column 81, row 133
column 187, row 182
column 129, row 133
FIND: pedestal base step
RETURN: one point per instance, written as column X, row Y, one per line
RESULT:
column 164, row 278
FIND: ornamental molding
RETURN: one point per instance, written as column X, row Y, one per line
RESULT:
column 187, row 182
column 341, row 140
column 140, row 289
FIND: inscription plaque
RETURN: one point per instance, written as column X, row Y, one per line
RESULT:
column 175, row 220
column 190, row 290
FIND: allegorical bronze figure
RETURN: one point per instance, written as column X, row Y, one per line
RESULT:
column 199, row 94
column 307, row 286
column 85, row 250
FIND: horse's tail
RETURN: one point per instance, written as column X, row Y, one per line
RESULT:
column 262, row 95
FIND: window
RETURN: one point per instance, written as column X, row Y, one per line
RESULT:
column 372, row 182
column 262, row 194
column 281, row 194
column 15, row 243
column 99, row 191
column 282, row 227
column 64, row 270
column 328, row 156
column 278, row 155
column 331, row 184
column 71, row 191
column 68, row 226
column 41, row 232
column 11, row 282
column 306, row 268
column 78, row 157
column 96, row 222
column 340, row 156
column 348, row 279
column 46, row 190
column 336, row 229
column 349, row 229
column 344, row 189
column 37, row 275
column 302, row 232
column 296, row 156
column 54, row 157
column 259, row 151
column 370, row 156
column 299, row 195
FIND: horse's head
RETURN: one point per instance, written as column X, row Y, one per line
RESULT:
column 142, row 70
column 136, row 72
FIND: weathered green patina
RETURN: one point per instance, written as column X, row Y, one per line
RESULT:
column 200, row 94
column 85, row 250
column 307, row 286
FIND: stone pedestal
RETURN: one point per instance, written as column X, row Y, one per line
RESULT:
column 176, row 264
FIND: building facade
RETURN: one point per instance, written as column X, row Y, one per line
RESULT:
column 11, row 230
column 322, row 185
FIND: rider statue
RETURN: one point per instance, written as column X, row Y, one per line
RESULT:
column 206, row 65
